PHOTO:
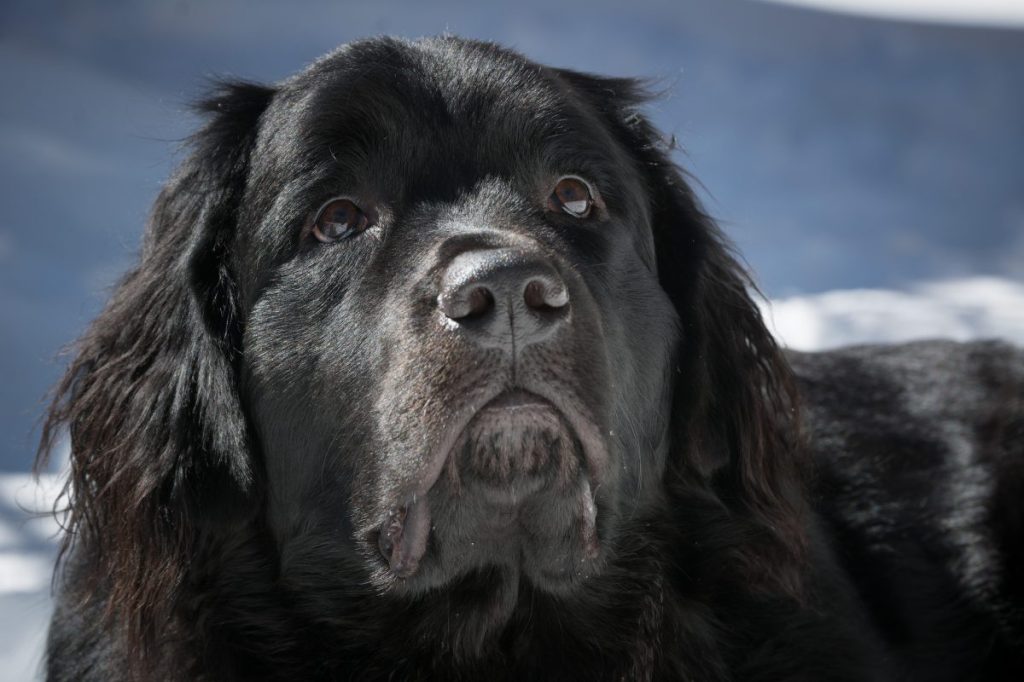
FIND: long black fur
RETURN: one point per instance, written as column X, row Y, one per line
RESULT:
column 860, row 519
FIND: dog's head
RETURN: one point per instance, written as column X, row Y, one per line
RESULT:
column 425, row 317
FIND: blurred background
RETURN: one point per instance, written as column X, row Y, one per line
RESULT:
column 867, row 156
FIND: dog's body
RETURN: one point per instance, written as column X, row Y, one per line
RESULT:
column 433, row 369
column 919, row 454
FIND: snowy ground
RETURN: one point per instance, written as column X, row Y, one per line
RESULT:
column 961, row 309
column 28, row 535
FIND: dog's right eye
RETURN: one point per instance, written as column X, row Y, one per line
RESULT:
column 339, row 219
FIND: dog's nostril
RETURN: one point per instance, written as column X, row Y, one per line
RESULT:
column 479, row 301
column 466, row 302
column 545, row 295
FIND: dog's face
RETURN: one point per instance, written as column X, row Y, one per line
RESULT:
column 414, row 330
column 456, row 345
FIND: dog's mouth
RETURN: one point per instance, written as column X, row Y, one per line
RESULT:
column 517, row 442
column 513, row 483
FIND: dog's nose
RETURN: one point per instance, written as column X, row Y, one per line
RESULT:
column 505, row 297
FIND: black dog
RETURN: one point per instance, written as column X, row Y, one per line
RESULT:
column 433, row 369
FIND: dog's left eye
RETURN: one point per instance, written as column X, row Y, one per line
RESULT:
column 573, row 196
column 339, row 219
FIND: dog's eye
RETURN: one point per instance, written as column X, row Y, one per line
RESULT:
column 339, row 219
column 573, row 196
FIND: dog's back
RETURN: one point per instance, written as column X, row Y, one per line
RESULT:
column 920, row 481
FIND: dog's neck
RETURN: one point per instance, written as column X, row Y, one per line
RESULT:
column 487, row 622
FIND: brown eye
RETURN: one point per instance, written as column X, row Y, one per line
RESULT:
column 339, row 219
column 573, row 196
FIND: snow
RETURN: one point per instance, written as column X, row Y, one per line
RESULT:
column 978, row 12
column 28, row 547
column 961, row 309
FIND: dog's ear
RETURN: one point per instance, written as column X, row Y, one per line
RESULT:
column 150, row 398
column 736, row 422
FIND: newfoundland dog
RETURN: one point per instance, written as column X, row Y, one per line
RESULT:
column 432, row 368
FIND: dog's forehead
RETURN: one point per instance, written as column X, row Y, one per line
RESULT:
column 384, row 99
column 462, row 79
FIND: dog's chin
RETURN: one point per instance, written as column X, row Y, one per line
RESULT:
column 514, row 496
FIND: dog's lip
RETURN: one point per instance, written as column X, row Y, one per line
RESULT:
column 595, row 448
column 403, row 549
column 595, row 451
column 516, row 399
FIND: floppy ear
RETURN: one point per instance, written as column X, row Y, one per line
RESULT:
column 150, row 397
column 736, row 422
column 736, row 411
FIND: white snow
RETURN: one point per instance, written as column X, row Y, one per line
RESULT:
column 978, row 12
column 962, row 309
column 28, row 543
